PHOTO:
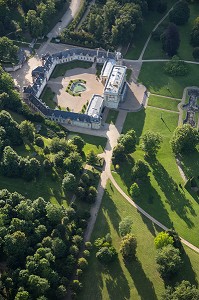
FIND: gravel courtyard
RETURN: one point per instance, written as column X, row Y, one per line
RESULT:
column 75, row 103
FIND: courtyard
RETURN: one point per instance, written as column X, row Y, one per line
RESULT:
column 75, row 103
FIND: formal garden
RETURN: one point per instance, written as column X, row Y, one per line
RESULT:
column 76, row 87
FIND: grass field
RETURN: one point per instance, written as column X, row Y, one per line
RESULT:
column 61, row 69
column 47, row 97
column 165, row 103
column 154, row 49
column 141, row 35
column 95, row 143
column 139, row 279
column 152, row 75
column 159, row 197
column 112, row 116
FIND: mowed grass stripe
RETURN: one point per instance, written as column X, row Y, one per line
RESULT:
column 165, row 103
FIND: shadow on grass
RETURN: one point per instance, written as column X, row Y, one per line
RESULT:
column 151, row 202
column 125, row 171
column 175, row 197
column 190, row 164
column 116, row 284
column 187, row 271
column 110, row 208
column 135, row 120
column 140, row 280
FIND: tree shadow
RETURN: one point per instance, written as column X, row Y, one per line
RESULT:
column 110, row 208
column 117, row 285
column 175, row 197
column 141, row 280
column 190, row 165
column 151, row 202
column 136, row 121
column 125, row 171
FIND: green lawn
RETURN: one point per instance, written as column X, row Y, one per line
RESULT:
column 165, row 103
column 47, row 97
column 159, row 196
column 154, row 49
column 95, row 143
column 112, row 116
column 141, row 35
column 152, row 75
column 139, row 279
column 61, row 69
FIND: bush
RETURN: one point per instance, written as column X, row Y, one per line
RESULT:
column 162, row 6
column 128, row 246
column 82, row 263
column 196, row 53
column 39, row 142
column 180, row 13
column 134, row 190
column 176, row 67
column 106, row 254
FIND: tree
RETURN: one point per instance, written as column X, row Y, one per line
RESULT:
column 106, row 254
column 10, row 162
column 118, row 154
column 35, row 24
column 128, row 140
column 125, row 226
column 82, row 263
column 27, row 130
column 92, row 194
column 169, row 261
column 134, row 190
column 128, row 246
column 79, row 143
column 8, row 51
column 38, row 285
column 54, row 213
column 163, row 239
column 39, row 142
column 140, row 170
column 69, row 182
column 180, row 13
column 16, row 244
column 195, row 33
column 61, row 292
column 196, row 53
column 170, row 40
column 182, row 291
column 185, row 139
column 151, row 143
column 22, row 295
column 59, row 248
column 92, row 158
column 176, row 67
column 73, row 163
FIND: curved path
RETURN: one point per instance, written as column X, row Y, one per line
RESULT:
column 111, row 132
column 146, row 44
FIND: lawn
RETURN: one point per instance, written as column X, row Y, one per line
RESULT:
column 47, row 97
column 61, row 69
column 162, row 102
column 141, row 35
column 95, row 143
column 139, row 279
column 160, row 195
column 152, row 75
column 154, row 48
column 112, row 116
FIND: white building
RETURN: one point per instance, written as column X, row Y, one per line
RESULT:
column 106, row 70
column 115, row 87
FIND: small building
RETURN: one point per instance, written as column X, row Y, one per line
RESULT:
column 115, row 88
column 106, row 70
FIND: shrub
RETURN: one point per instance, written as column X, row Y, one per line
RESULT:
column 39, row 142
column 128, row 246
column 176, row 67
column 106, row 254
column 134, row 190
column 196, row 53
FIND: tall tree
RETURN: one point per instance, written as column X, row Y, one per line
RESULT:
column 151, row 142
column 170, row 40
